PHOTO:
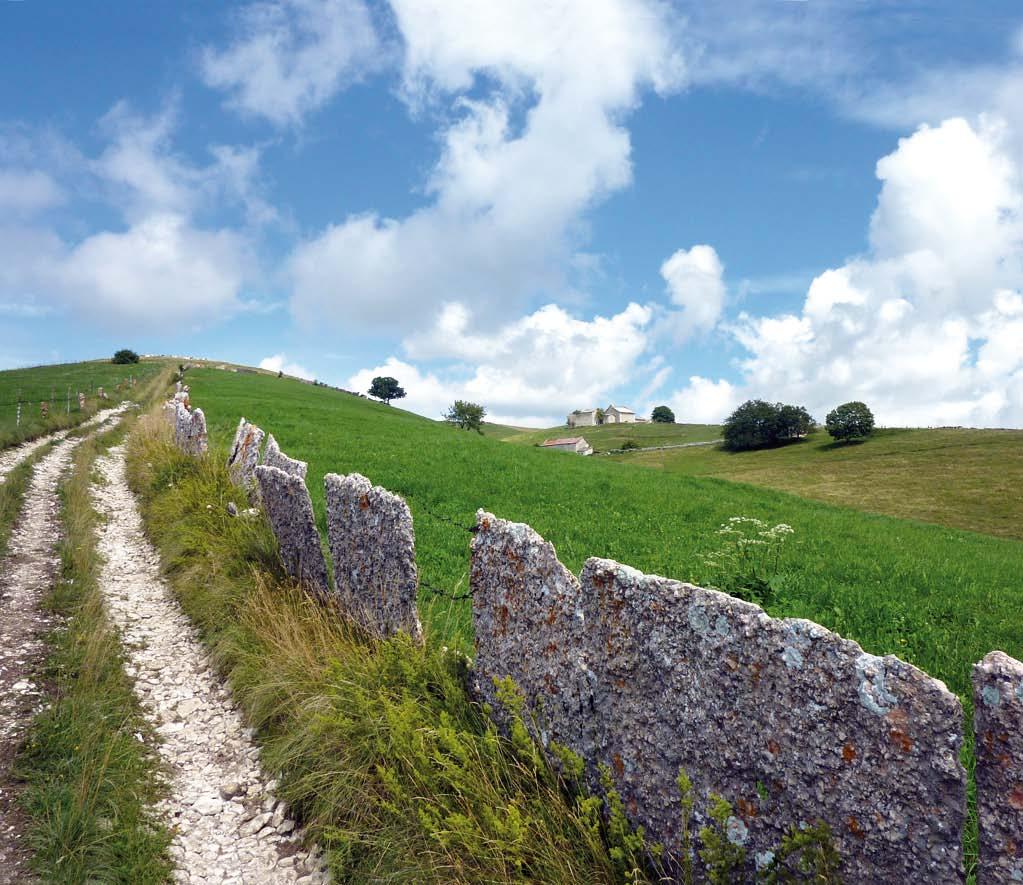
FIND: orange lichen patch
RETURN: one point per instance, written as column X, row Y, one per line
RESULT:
column 855, row 828
column 756, row 674
column 552, row 616
column 503, row 617
column 550, row 648
column 849, row 753
column 1016, row 797
column 619, row 765
column 773, row 747
column 364, row 502
column 731, row 663
column 901, row 740
column 746, row 808
column 552, row 686
column 485, row 525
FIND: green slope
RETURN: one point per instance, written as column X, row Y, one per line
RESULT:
column 958, row 477
column 40, row 383
column 937, row 597
column 614, row 436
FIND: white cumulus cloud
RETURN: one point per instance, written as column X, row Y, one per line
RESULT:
column 537, row 92
column 927, row 326
column 290, row 57
column 279, row 362
column 695, row 284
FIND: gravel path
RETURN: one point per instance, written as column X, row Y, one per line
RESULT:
column 26, row 575
column 229, row 826
column 12, row 457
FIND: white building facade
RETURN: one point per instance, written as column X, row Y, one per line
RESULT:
column 619, row 415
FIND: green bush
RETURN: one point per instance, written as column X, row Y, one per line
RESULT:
column 662, row 415
column 124, row 357
column 757, row 424
column 850, row 421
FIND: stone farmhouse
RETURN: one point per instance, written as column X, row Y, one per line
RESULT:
column 612, row 415
column 569, row 444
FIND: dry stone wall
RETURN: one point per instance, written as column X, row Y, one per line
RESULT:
column 290, row 511
column 792, row 723
column 998, row 728
column 649, row 677
column 372, row 543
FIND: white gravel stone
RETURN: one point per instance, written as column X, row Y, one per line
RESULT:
column 209, row 752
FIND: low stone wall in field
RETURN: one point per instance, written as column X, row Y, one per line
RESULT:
column 643, row 678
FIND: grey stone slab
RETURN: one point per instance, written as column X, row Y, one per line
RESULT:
column 274, row 457
column 287, row 504
column 245, row 455
column 182, row 426
column 198, row 441
column 373, row 546
column 788, row 721
column 998, row 728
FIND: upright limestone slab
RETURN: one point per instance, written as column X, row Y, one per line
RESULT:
column 998, row 727
column 182, row 426
column 290, row 511
column 274, row 457
column 197, row 438
column 373, row 546
column 245, row 454
column 785, row 719
column 528, row 622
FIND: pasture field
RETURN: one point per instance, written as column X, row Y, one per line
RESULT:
column 957, row 477
column 937, row 597
column 43, row 382
column 611, row 436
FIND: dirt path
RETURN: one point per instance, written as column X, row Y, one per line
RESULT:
column 230, row 828
column 13, row 456
column 26, row 575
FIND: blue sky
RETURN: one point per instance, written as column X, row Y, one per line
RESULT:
column 538, row 206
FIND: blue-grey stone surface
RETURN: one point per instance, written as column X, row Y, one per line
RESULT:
column 274, row 457
column 286, row 501
column 373, row 546
column 786, row 720
column 998, row 729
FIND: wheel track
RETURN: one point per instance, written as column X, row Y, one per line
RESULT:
column 26, row 575
column 229, row 826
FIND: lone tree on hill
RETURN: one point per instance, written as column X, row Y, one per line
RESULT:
column 123, row 357
column 386, row 389
column 662, row 415
column 468, row 416
column 850, row 421
column 757, row 424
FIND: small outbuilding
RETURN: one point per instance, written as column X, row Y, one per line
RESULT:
column 569, row 444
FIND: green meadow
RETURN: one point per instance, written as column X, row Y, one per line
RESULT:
column 935, row 596
column 51, row 384
column 957, row 477
column 608, row 437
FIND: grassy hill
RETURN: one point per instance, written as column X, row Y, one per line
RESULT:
column 611, row 436
column 938, row 597
column 957, row 477
column 41, row 383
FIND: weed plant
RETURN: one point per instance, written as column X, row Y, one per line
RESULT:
column 90, row 773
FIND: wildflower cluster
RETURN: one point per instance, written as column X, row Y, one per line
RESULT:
column 748, row 557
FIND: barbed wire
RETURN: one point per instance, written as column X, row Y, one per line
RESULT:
column 450, row 595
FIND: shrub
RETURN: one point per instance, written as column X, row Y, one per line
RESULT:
column 629, row 444
column 757, row 424
column 850, row 421
column 468, row 416
column 123, row 357
column 662, row 415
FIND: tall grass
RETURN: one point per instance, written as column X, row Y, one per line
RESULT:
column 396, row 773
column 90, row 772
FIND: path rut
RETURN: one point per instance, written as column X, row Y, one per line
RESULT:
column 230, row 828
column 26, row 574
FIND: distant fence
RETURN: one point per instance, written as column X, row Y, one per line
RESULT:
column 644, row 677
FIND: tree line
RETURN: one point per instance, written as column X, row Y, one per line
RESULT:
column 758, row 424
